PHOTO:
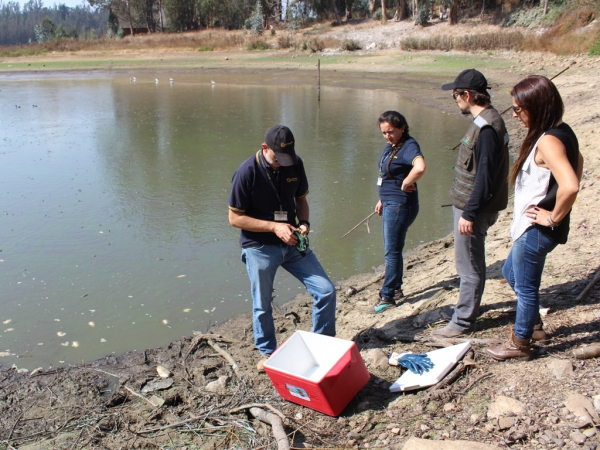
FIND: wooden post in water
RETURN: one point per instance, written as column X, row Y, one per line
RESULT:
column 319, row 80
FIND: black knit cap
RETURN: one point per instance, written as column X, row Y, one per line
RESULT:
column 280, row 139
column 468, row 79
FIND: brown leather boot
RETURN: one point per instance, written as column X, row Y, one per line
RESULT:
column 514, row 347
column 539, row 335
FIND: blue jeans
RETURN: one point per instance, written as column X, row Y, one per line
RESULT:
column 397, row 218
column 262, row 263
column 523, row 272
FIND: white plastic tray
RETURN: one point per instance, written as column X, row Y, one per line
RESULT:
column 443, row 361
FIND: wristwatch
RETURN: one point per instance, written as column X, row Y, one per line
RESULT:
column 304, row 222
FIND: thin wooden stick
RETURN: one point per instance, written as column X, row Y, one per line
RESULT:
column 258, row 405
column 359, row 224
column 588, row 288
column 276, row 425
column 139, row 395
column 220, row 351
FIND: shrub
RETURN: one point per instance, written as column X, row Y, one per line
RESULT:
column 285, row 41
column 389, row 13
column 595, row 50
column 313, row 44
column 350, row 45
column 258, row 44
column 205, row 48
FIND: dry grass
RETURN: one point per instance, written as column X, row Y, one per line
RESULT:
column 200, row 40
column 487, row 41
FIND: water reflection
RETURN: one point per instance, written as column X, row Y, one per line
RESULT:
column 115, row 194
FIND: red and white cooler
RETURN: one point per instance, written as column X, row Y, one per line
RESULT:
column 320, row 372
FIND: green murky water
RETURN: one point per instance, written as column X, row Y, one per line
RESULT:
column 113, row 226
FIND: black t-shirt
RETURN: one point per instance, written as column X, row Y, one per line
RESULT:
column 399, row 168
column 258, row 191
column 565, row 134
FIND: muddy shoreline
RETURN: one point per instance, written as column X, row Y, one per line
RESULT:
column 94, row 405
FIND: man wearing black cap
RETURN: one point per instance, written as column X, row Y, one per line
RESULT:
column 268, row 202
column 479, row 192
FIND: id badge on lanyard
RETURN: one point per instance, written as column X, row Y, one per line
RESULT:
column 281, row 216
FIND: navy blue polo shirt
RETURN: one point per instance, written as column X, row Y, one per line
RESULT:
column 400, row 167
column 253, row 195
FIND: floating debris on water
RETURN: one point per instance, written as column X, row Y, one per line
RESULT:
column 130, row 296
column 60, row 333
column 165, row 321
column 163, row 372
column 3, row 354
column 92, row 311
column 84, row 295
column 7, row 321
column 187, row 310
column 57, row 320
column 9, row 330
column 102, row 340
column 91, row 324
column 65, row 344
column 180, row 276
column 40, row 343
column 75, row 344
column 207, row 311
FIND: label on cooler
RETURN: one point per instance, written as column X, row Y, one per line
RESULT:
column 297, row 392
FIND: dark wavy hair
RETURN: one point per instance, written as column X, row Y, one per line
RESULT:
column 540, row 99
column 480, row 98
column 397, row 120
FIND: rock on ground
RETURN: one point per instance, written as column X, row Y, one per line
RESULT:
column 427, row 444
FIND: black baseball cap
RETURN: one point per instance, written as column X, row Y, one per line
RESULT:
column 468, row 79
column 280, row 139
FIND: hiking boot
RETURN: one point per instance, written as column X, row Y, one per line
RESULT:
column 260, row 366
column 381, row 305
column 398, row 294
column 448, row 332
column 514, row 347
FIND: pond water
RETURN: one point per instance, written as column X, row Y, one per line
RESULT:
column 113, row 227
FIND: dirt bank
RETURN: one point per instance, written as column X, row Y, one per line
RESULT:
column 95, row 405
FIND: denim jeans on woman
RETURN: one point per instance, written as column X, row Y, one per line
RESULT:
column 262, row 263
column 523, row 272
column 397, row 218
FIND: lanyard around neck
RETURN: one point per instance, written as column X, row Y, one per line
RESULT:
column 267, row 171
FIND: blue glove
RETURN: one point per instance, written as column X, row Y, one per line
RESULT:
column 416, row 363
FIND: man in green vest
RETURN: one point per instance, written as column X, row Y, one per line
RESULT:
column 479, row 192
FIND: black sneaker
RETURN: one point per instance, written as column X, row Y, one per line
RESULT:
column 381, row 305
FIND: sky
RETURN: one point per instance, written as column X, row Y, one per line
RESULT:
column 50, row 3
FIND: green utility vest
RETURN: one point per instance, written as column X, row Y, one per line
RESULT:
column 466, row 164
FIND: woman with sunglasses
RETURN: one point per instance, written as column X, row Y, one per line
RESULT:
column 400, row 167
column 546, row 178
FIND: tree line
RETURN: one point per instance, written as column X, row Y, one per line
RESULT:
column 35, row 22
column 18, row 24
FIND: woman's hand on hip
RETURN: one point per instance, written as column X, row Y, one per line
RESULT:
column 408, row 187
column 538, row 215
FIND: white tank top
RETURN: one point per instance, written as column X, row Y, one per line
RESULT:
column 531, row 187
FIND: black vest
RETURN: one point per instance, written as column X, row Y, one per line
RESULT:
column 466, row 164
